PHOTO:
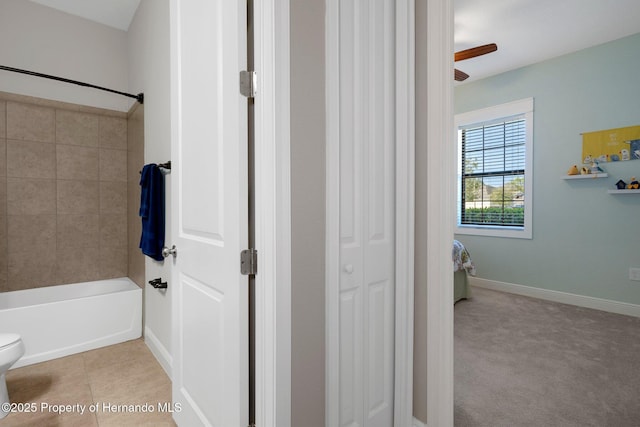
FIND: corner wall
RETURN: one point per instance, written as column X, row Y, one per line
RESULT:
column 584, row 240
column 148, row 59
column 308, row 131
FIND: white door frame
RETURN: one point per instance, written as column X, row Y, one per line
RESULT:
column 440, row 192
column 404, row 211
column 273, row 224
column 272, row 214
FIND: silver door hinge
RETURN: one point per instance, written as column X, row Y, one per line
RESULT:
column 248, row 83
column 249, row 262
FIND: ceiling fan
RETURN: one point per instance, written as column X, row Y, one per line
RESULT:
column 468, row 54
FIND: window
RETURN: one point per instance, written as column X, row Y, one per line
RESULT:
column 494, row 170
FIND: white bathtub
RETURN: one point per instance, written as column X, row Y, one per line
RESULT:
column 57, row 321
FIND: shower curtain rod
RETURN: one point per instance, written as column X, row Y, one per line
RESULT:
column 139, row 97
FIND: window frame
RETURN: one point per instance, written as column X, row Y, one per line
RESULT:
column 522, row 108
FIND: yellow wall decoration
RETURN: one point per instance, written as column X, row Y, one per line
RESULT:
column 611, row 145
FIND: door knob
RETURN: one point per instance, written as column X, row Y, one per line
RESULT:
column 166, row 251
column 348, row 268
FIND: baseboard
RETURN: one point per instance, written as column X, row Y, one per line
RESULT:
column 557, row 296
column 160, row 352
column 418, row 423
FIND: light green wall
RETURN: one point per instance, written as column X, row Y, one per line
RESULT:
column 584, row 240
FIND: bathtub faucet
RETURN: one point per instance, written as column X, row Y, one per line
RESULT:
column 158, row 283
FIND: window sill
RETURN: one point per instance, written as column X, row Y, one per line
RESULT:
column 488, row 231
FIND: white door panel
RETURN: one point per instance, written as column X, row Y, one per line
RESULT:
column 209, row 178
column 366, row 213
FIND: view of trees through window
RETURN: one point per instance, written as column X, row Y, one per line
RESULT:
column 493, row 159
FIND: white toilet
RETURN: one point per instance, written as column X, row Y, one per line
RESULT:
column 11, row 349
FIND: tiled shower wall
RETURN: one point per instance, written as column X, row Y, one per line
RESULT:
column 63, row 193
column 135, row 159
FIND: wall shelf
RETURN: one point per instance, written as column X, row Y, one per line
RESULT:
column 588, row 176
column 623, row 191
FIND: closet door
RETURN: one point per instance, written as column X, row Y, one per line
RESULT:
column 364, row 374
column 210, row 190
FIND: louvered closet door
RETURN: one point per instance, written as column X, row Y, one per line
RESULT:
column 209, row 187
column 366, row 294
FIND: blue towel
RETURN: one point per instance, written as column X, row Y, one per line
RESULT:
column 152, row 211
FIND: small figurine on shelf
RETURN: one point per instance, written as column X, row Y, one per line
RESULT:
column 595, row 167
column 621, row 185
column 634, row 184
column 573, row 170
column 584, row 171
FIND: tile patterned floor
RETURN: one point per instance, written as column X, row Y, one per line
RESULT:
column 120, row 385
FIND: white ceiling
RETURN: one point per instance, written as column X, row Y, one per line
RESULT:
column 530, row 31
column 526, row 31
column 114, row 13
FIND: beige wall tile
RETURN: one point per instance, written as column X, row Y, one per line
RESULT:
column 135, row 163
column 3, row 196
column 134, row 230
column 75, row 162
column 113, row 262
column 134, row 223
column 26, row 159
column 113, row 133
column 30, row 122
column 33, row 269
column 113, row 230
column 53, row 194
column 135, row 269
column 3, row 253
column 3, row 119
column 3, row 236
column 27, row 196
column 76, row 128
column 78, row 231
column 78, row 265
column 78, row 197
column 135, row 130
column 3, row 157
column 113, row 165
column 26, row 232
column 113, row 197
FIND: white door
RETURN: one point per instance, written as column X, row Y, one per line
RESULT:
column 209, row 189
column 366, row 294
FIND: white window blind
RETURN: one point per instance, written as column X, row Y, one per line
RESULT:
column 493, row 173
column 495, row 147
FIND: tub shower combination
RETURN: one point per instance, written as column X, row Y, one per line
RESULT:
column 57, row 321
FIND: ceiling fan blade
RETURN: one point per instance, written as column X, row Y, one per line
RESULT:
column 459, row 76
column 475, row 51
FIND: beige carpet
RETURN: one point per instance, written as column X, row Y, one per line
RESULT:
column 525, row 362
